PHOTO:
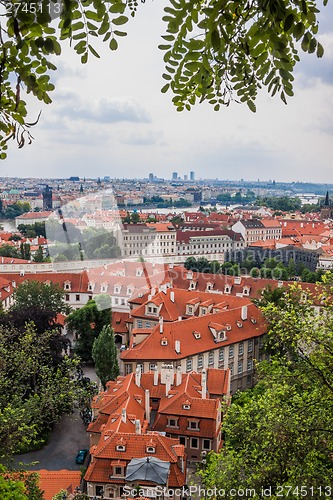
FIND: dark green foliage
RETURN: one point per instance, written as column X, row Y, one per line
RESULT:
column 88, row 322
column 19, row 485
column 279, row 434
column 105, row 356
column 217, row 51
column 283, row 203
column 33, row 230
column 18, row 208
column 34, row 393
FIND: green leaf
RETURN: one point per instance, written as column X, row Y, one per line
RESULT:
column 117, row 8
column 165, row 88
column 288, row 22
column 320, row 50
column 215, row 39
column 118, row 21
column 119, row 33
column 113, row 44
column 93, row 51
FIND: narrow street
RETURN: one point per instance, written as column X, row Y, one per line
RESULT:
column 67, row 438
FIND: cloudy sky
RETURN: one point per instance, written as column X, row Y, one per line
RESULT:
column 110, row 118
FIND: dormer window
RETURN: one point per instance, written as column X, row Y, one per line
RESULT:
column 150, row 449
column 203, row 310
column 253, row 320
column 164, row 341
column 139, row 272
column 186, row 407
column 116, row 289
column 209, row 286
column 91, row 287
column 227, row 289
column 239, row 324
column 104, row 288
column 118, row 471
column 129, row 290
column 246, row 290
column 120, row 447
column 189, row 309
column 193, row 425
column 67, row 285
column 228, row 328
column 197, row 335
column 221, row 335
column 193, row 285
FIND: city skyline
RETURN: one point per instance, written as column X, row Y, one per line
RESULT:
column 109, row 116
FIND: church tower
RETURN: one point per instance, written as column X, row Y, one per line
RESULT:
column 326, row 208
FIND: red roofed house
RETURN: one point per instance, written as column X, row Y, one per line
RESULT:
column 221, row 338
column 146, row 416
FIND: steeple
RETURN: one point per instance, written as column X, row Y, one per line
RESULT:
column 327, row 200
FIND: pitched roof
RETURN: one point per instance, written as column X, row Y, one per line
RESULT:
column 51, row 482
column 182, row 331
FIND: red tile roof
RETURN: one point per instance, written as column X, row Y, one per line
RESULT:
column 51, row 482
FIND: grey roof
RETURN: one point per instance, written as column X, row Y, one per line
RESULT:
column 148, row 469
column 252, row 223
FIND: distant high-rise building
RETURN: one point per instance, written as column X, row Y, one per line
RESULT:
column 192, row 175
column 151, row 177
column 185, row 177
column 47, row 198
column 174, row 176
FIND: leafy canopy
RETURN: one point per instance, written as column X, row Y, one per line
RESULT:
column 280, row 433
column 214, row 50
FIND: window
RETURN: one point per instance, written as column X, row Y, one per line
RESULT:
column 250, row 346
column 249, row 364
column 189, row 364
column 77, row 298
column 193, row 425
column 128, row 369
column 240, row 367
column 182, row 440
column 120, row 447
column 152, row 366
column 200, row 361
column 221, row 355
column 241, row 349
column 139, row 323
column 67, row 297
column 231, row 351
column 150, row 449
column 231, row 368
column 206, row 444
column 140, row 365
column 118, row 471
column 195, row 443
column 147, row 324
column 172, row 422
column 211, row 358
column 99, row 491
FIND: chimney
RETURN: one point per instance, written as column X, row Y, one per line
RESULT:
column 138, row 376
column 180, row 318
column 155, row 376
column 204, row 384
column 137, row 427
column 172, row 296
column 244, row 313
column 177, row 346
column 123, row 415
column 179, row 375
column 167, row 384
column 161, row 324
column 147, row 405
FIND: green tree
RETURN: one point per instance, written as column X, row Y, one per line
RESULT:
column 25, row 251
column 39, row 256
column 215, row 51
column 105, row 356
column 88, row 322
column 280, row 433
column 34, row 393
column 8, row 251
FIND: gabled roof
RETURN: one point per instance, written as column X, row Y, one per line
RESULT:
column 51, row 482
column 152, row 349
